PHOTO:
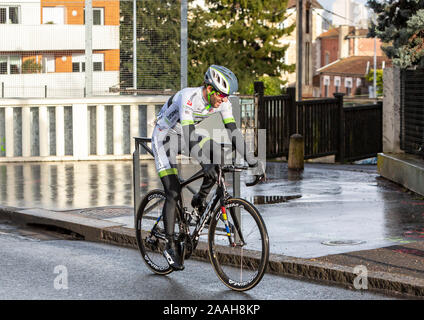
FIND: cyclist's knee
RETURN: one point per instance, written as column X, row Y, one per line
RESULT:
column 172, row 187
column 172, row 194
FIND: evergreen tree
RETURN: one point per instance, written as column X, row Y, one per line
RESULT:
column 158, row 44
column 400, row 25
column 242, row 35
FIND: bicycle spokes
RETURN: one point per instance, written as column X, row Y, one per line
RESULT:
column 238, row 245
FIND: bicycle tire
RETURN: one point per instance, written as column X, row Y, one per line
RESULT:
column 151, row 247
column 230, row 263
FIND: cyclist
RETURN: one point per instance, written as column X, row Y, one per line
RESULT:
column 175, row 133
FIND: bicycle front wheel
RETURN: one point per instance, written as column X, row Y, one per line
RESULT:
column 150, row 232
column 238, row 245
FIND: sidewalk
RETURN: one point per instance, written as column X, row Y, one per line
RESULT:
column 322, row 224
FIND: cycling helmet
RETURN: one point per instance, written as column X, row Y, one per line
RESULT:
column 222, row 79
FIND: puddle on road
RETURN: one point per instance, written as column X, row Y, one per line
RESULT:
column 272, row 199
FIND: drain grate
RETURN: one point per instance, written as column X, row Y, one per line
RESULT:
column 343, row 242
column 272, row 199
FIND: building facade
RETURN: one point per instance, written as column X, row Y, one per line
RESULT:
column 42, row 48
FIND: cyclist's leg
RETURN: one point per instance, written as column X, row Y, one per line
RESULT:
column 165, row 160
column 212, row 148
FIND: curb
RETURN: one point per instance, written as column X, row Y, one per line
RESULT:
column 97, row 230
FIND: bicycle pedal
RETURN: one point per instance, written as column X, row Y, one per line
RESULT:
column 151, row 241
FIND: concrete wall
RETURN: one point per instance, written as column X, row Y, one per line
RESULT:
column 391, row 110
column 97, row 128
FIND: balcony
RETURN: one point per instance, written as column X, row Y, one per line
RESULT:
column 60, row 84
column 45, row 37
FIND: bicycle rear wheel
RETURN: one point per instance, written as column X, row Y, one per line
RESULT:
column 239, row 254
column 150, row 232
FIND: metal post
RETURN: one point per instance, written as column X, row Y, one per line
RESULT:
column 236, row 106
column 341, row 153
column 135, row 46
column 45, row 91
column 89, row 47
column 258, row 88
column 299, row 46
column 292, row 111
column 136, row 179
column 184, row 35
column 2, row 89
column 375, row 68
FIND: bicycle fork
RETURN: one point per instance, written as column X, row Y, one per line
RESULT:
column 235, row 228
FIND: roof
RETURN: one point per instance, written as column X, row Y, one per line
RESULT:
column 356, row 65
column 334, row 32
column 315, row 4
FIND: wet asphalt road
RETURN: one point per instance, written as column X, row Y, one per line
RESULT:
column 303, row 211
column 39, row 265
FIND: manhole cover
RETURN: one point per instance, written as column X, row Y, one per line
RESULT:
column 104, row 213
column 343, row 242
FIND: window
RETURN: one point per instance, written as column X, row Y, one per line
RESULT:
column 3, row 15
column 78, row 62
column 327, row 58
column 348, row 85
column 9, row 15
column 13, row 15
column 15, row 64
column 97, row 66
column 98, row 16
column 75, row 67
column 10, row 64
column 337, row 82
column 326, row 84
column 54, row 15
column 3, row 65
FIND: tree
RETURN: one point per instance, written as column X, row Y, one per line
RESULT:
column 370, row 78
column 241, row 35
column 272, row 86
column 400, row 25
column 158, row 44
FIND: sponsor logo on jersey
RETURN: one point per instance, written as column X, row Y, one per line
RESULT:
column 189, row 103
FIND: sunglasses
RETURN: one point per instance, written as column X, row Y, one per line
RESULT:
column 220, row 94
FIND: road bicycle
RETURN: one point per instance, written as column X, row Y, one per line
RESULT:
column 238, row 243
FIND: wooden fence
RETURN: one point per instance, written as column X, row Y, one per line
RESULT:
column 328, row 128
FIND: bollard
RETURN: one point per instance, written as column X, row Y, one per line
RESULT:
column 296, row 152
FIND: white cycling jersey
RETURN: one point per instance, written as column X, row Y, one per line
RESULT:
column 190, row 107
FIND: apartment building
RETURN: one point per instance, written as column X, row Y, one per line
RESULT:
column 313, row 24
column 42, row 47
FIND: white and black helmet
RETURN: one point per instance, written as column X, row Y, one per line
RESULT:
column 222, row 79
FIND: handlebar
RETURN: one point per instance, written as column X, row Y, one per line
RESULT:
column 233, row 168
column 238, row 168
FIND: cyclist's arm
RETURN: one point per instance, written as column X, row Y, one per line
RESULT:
column 235, row 134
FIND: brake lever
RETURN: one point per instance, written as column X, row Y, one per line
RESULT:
column 258, row 179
